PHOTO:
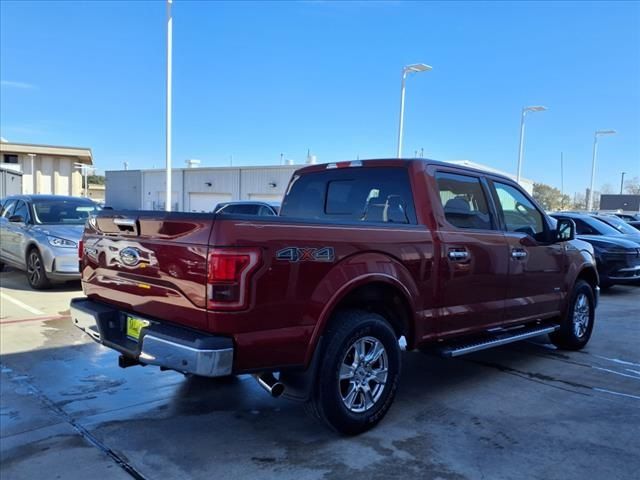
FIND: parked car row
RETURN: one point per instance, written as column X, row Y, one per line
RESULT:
column 616, row 245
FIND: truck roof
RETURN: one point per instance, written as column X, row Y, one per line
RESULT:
column 396, row 162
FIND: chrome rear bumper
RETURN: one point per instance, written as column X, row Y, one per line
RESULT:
column 160, row 344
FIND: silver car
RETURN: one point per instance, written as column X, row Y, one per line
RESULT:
column 40, row 235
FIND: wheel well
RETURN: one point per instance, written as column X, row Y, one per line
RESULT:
column 30, row 246
column 385, row 300
column 590, row 276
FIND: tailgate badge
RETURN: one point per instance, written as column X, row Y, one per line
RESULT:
column 130, row 256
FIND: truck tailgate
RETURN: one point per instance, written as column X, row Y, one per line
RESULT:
column 149, row 263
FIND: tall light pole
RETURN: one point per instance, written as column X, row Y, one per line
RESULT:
column 32, row 156
column 561, row 181
column 168, row 126
column 525, row 110
column 622, row 182
column 598, row 133
column 415, row 68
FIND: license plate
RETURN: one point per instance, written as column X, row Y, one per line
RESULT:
column 135, row 326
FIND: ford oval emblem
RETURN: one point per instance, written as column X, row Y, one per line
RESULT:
column 130, row 256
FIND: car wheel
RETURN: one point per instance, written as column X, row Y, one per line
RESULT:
column 36, row 274
column 577, row 324
column 358, row 379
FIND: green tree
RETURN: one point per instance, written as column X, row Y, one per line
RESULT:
column 550, row 198
column 94, row 180
column 632, row 186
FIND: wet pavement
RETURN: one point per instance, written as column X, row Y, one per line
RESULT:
column 520, row 411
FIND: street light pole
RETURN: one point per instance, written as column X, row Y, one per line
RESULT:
column 622, row 182
column 597, row 134
column 561, row 181
column 414, row 68
column 525, row 110
column 168, row 119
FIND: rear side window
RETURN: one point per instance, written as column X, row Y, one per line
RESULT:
column 375, row 195
column 463, row 201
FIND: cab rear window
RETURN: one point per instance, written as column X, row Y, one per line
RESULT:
column 373, row 195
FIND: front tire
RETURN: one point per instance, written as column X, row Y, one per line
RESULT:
column 577, row 325
column 36, row 274
column 358, row 379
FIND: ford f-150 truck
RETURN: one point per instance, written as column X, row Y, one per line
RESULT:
column 365, row 258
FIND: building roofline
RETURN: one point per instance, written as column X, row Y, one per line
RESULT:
column 84, row 154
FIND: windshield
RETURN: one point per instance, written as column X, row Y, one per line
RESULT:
column 619, row 225
column 65, row 212
column 600, row 227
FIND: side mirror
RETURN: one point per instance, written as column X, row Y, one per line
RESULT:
column 16, row 219
column 565, row 230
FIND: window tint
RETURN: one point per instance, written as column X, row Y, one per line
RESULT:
column 463, row 201
column 265, row 211
column 520, row 215
column 583, row 228
column 378, row 195
column 240, row 208
column 7, row 209
column 22, row 210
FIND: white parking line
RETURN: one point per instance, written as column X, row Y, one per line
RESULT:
column 18, row 303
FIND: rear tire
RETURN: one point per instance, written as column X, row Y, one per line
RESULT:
column 36, row 274
column 358, row 379
column 577, row 325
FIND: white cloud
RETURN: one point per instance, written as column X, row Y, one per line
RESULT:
column 12, row 84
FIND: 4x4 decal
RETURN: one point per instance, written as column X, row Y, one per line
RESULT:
column 305, row 254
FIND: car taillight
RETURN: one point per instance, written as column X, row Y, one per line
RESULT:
column 228, row 271
column 80, row 249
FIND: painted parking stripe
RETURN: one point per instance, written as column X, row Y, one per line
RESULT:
column 36, row 319
column 20, row 304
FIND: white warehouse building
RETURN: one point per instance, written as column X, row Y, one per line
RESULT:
column 196, row 189
column 201, row 189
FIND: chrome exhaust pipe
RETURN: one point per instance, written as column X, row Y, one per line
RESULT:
column 270, row 384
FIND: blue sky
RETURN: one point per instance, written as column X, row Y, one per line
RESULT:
column 253, row 80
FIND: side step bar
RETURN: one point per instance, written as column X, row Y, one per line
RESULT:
column 495, row 340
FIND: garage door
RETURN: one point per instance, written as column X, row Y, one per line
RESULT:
column 266, row 197
column 206, row 202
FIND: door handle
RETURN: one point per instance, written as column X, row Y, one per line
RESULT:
column 457, row 255
column 519, row 253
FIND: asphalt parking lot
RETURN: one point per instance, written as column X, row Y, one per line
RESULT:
column 520, row 411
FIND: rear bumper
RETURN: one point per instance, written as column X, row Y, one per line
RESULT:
column 160, row 344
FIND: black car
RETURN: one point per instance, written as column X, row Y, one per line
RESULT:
column 617, row 255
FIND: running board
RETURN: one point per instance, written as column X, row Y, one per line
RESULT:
column 495, row 340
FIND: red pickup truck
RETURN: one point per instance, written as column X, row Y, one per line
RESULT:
column 365, row 258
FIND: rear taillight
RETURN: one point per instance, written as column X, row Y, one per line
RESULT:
column 80, row 250
column 228, row 277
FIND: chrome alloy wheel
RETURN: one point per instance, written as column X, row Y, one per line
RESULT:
column 363, row 374
column 581, row 315
column 34, row 268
